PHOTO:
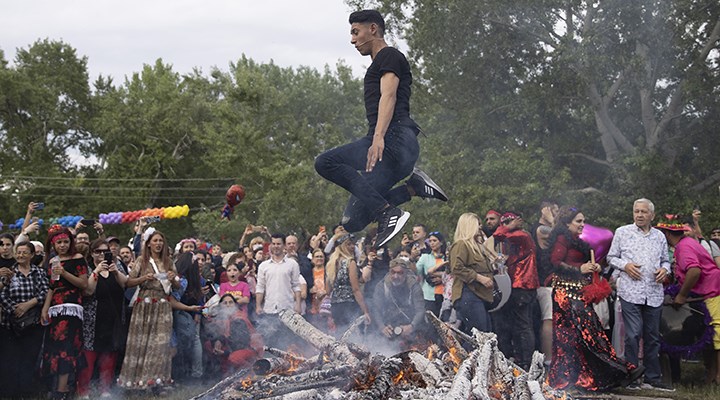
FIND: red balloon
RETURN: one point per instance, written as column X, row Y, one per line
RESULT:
column 234, row 195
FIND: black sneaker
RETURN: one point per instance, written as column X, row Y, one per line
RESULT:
column 390, row 223
column 425, row 187
column 661, row 386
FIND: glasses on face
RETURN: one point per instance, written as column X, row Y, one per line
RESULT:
column 100, row 251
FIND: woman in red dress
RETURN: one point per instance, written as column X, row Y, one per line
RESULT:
column 583, row 357
column 63, row 310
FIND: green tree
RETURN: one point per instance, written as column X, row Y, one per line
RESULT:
column 619, row 93
column 45, row 105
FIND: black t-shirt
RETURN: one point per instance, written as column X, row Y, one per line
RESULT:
column 7, row 262
column 389, row 59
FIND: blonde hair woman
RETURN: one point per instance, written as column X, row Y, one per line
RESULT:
column 342, row 280
column 472, row 271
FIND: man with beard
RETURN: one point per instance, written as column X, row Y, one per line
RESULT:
column 492, row 221
column 397, row 306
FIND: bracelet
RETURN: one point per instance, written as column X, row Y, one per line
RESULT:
column 94, row 275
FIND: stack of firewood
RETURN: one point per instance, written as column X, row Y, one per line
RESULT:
column 344, row 370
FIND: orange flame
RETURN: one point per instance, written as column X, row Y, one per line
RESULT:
column 325, row 358
column 398, row 377
column 430, row 353
column 454, row 358
column 246, row 383
column 516, row 372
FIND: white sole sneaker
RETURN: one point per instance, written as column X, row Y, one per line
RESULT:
column 398, row 225
column 430, row 190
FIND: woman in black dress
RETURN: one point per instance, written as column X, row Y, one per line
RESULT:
column 104, row 316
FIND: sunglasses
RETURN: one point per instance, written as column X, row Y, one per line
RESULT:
column 100, row 251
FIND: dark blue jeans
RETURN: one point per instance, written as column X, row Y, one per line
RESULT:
column 473, row 312
column 371, row 191
column 513, row 326
column 643, row 320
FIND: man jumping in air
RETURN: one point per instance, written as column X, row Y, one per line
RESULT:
column 370, row 167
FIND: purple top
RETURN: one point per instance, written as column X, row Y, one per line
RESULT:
column 690, row 254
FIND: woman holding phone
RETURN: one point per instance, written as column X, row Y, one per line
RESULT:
column 431, row 267
column 104, row 316
column 63, row 310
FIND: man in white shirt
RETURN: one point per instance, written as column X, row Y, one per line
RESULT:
column 640, row 253
column 278, row 280
column 278, row 288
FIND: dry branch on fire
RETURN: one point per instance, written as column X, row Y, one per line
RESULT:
column 344, row 370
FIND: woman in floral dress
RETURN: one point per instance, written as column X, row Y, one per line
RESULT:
column 63, row 310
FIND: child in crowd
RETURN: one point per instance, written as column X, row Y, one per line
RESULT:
column 237, row 288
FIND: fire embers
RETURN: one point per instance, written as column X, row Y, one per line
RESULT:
column 344, row 370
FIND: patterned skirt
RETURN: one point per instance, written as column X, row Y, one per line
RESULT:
column 148, row 357
column 63, row 343
column 583, row 357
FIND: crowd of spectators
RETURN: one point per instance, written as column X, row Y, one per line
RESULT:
column 88, row 315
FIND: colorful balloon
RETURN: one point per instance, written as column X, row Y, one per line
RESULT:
column 599, row 240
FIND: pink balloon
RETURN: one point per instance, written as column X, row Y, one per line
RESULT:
column 599, row 240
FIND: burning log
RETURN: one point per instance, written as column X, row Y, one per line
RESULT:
column 296, row 323
column 301, row 395
column 351, row 329
column 215, row 391
column 293, row 358
column 482, row 370
column 388, row 374
column 266, row 366
column 462, row 386
column 447, row 336
column 429, row 372
column 280, row 385
column 535, row 390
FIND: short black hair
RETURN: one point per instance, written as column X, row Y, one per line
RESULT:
column 368, row 17
column 280, row 236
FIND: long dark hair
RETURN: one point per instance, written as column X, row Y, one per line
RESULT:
column 187, row 268
column 50, row 249
column 565, row 216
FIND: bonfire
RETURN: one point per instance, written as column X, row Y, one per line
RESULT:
column 344, row 370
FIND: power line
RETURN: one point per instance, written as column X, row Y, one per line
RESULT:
column 57, row 178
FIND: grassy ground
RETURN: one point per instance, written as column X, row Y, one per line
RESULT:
column 691, row 386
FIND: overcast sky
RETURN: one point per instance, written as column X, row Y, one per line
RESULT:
column 118, row 37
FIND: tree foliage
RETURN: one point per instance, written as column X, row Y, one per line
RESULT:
column 621, row 95
column 592, row 103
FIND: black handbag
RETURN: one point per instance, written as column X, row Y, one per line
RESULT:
column 20, row 324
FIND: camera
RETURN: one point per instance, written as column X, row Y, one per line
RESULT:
column 39, row 206
column 88, row 222
column 108, row 257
